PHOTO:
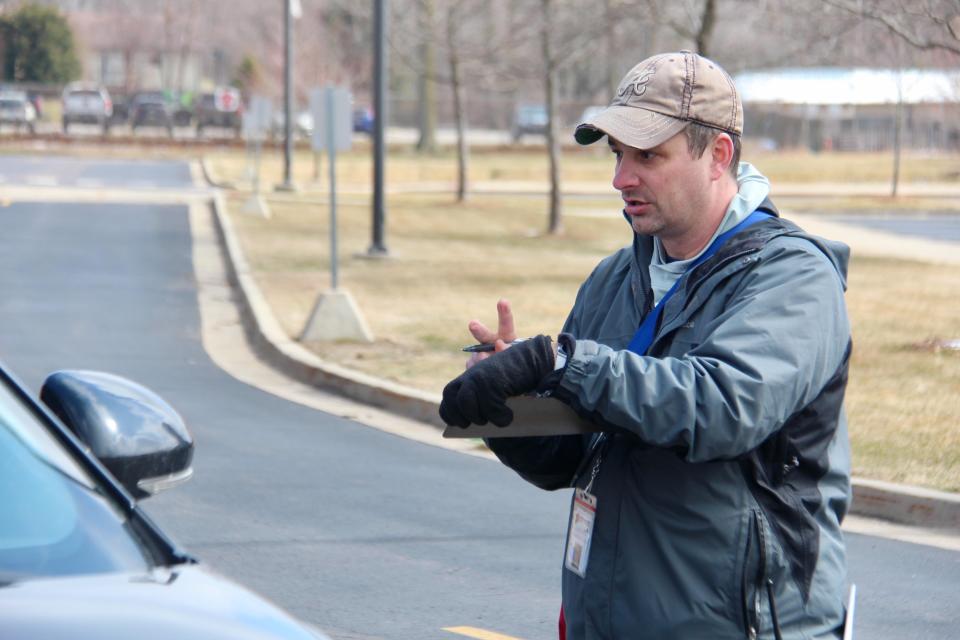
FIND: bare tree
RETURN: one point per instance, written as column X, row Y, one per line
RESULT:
column 551, row 64
column 927, row 25
column 456, row 88
column 473, row 53
column 427, row 90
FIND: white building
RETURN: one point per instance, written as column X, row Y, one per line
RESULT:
column 852, row 109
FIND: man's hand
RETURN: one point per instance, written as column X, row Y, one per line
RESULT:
column 501, row 339
column 479, row 395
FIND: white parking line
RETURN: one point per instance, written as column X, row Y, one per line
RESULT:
column 41, row 181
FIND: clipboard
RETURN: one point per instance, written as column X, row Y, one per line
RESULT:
column 532, row 416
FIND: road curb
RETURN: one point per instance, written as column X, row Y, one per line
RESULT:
column 903, row 503
column 898, row 503
column 273, row 345
column 208, row 176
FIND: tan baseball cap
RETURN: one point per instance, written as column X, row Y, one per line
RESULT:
column 662, row 95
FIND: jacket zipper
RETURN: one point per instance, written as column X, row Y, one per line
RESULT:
column 762, row 584
column 749, row 619
column 761, row 569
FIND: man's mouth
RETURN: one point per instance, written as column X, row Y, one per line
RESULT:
column 634, row 206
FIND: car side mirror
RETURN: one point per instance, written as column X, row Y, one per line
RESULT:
column 140, row 438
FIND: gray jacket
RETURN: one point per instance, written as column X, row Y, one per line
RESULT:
column 725, row 469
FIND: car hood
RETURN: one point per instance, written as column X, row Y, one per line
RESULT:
column 183, row 602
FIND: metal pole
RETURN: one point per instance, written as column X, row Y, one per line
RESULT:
column 378, row 246
column 331, row 155
column 287, row 184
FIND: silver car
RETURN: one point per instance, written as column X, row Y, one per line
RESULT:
column 17, row 110
column 79, row 558
column 90, row 104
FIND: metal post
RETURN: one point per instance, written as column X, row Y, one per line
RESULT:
column 331, row 156
column 287, row 184
column 256, row 167
column 378, row 246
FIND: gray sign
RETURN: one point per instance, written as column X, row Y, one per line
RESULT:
column 332, row 121
column 256, row 119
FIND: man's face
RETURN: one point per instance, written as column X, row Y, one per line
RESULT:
column 664, row 189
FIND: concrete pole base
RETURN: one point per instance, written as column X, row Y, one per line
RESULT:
column 256, row 205
column 287, row 187
column 335, row 316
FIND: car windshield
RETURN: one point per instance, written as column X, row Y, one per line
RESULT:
column 84, row 93
column 10, row 104
column 535, row 114
column 54, row 519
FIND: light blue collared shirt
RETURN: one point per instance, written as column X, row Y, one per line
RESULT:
column 753, row 188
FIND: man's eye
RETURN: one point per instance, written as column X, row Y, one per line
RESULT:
column 647, row 155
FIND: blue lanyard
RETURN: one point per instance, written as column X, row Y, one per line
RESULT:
column 643, row 338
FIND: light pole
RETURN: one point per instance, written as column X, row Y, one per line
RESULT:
column 378, row 247
column 287, row 184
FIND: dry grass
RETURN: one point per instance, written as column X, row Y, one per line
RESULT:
column 903, row 400
column 453, row 261
column 450, row 262
column 578, row 165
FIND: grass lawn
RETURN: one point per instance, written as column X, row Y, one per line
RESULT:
column 453, row 261
column 578, row 165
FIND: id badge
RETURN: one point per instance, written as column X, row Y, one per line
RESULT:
column 581, row 531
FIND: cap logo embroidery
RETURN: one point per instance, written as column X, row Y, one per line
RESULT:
column 636, row 88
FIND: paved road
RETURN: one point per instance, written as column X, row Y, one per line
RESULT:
column 361, row 532
column 366, row 534
column 53, row 171
column 945, row 227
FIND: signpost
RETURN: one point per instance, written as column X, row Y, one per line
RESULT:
column 335, row 315
column 256, row 123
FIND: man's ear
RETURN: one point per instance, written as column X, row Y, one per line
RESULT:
column 721, row 155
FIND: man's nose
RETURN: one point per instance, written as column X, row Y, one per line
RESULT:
column 624, row 176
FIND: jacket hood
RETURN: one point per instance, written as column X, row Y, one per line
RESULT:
column 836, row 252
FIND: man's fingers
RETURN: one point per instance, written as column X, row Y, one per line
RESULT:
column 505, row 328
column 480, row 331
column 505, row 333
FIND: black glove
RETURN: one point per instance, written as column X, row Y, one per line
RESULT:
column 480, row 393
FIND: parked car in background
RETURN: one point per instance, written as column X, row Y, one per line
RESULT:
column 151, row 109
column 121, row 108
column 17, row 110
column 302, row 125
column 528, row 118
column 79, row 558
column 84, row 103
column 223, row 108
column 363, row 120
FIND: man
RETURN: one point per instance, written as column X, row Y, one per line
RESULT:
column 713, row 352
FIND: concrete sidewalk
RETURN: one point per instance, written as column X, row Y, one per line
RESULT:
column 911, row 505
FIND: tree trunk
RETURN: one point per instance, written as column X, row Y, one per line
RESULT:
column 610, row 56
column 456, row 86
column 707, row 22
column 427, row 92
column 897, row 137
column 555, row 224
